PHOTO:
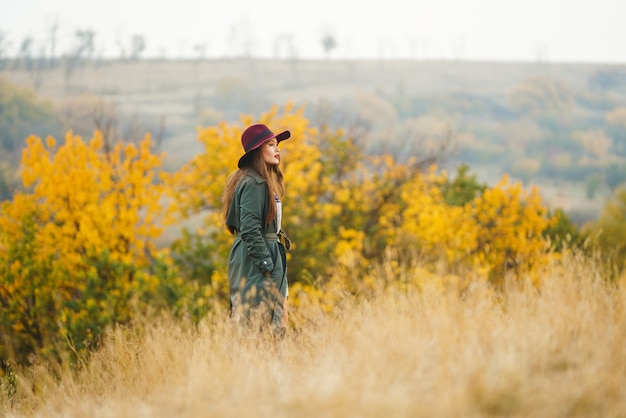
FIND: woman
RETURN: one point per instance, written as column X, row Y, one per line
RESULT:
column 253, row 214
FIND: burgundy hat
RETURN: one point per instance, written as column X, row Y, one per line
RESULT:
column 256, row 135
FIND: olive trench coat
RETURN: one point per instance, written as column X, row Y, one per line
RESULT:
column 257, row 273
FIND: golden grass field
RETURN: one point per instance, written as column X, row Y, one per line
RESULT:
column 473, row 352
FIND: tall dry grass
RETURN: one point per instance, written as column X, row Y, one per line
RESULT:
column 555, row 352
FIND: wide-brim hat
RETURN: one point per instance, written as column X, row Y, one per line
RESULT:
column 255, row 136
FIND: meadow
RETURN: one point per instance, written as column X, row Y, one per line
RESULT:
column 483, row 311
column 471, row 351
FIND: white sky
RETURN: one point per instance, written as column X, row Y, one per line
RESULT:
column 553, row 30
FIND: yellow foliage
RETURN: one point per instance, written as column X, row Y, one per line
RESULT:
column 78, row 243
column 510, row 224
column 91, row 201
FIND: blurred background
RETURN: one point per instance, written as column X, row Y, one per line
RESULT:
column 536, row 89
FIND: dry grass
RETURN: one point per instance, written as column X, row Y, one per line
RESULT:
column 556, row 352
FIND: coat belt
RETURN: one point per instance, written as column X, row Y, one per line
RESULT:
column 270, row 236
column 274, row 236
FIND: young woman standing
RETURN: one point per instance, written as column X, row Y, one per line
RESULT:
column 253, row 214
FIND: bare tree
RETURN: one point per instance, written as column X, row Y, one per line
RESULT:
column 38, row 68
column 248, row 43
column 458, row 47
column 328, row 43
column 53, row 28
column 107, row 120
column 4, row 46
column 285, row 41
column 201, row 49
column 232, row 40
column 284, row 44
column 86, row 45
column 137, row 46
column 121, row 47
column 4, row 43
column 541, row 52
column 277, row 44
column 292, row 56
column 25, row 54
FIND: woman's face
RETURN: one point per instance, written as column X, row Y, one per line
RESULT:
column 270, row 152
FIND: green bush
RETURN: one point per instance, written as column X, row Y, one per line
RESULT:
column 23, row 114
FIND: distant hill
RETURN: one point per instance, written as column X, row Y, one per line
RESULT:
column 541, row 122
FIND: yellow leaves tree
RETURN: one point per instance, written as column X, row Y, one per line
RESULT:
column 510, row 223
column 77, row 246
column 439, row 230
column 492, row 231
column 99, row 201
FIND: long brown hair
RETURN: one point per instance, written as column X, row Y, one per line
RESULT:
column 270, row 172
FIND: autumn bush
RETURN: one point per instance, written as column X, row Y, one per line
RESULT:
column 77, row 247
column 22, row 113
column 611, row 230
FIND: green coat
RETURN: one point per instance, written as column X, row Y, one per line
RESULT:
column 257, row 264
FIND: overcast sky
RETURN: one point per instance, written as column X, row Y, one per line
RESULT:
column 526, row 30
